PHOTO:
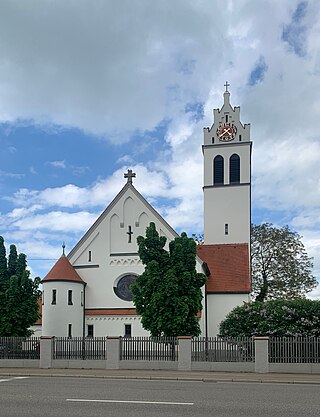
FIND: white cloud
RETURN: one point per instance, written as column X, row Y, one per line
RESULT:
column 105, row 61
column 7, row 174
column 57, row 221
column 117, row 68
column 286, row 174
column 57, row 164
column 315, row 294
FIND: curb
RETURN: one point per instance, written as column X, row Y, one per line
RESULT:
column 165, row 378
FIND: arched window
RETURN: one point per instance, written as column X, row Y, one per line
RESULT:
column 218, row 172
column 234, row 167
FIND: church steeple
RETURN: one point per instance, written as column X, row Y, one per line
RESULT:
column 227, row 176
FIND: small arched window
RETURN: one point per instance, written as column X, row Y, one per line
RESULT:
column 218, row 171
column 234, row 167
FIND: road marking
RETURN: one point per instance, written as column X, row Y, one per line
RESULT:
column 127, row 402
column 13, row 378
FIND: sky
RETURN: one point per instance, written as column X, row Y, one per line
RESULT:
column 89, row 89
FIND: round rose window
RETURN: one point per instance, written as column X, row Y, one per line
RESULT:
column 122, row 289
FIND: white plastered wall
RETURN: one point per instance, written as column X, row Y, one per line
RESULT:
column 219, row 305
column 115, row 325
column 229, row 206
column 56, row 318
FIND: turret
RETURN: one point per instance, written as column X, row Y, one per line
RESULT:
column 62, row 300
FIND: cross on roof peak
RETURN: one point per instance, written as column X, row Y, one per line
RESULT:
column 227, row 85
column 129, row 175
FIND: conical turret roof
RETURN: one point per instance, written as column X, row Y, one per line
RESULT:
column 63, row 271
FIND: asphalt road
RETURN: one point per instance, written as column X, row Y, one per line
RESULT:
column 95, row 397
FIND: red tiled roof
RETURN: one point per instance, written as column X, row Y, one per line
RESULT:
column 63, row 271
column 229, row 267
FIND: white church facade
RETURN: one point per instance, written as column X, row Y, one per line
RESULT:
column 87, row 292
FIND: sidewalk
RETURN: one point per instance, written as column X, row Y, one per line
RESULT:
column 166, row 375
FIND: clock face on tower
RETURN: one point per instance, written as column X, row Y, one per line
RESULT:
column 226, row 132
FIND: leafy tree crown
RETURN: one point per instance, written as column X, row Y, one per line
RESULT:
column 168, row 293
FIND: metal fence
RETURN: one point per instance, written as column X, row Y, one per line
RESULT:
column 19, row 348
column 149, row 348
column 294, row 349
column 216, row 349
column 80, row 348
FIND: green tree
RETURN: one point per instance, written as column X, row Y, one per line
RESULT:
column 21, row 265
column 18, row 294
column 299, row 317
column 3, row 262
column 198, row 238
column 12, row 260
column 281, row 267
column 168, row 293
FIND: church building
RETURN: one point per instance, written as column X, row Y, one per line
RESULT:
column 87, row 292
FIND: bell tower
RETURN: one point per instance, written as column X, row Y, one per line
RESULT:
column 227, row 177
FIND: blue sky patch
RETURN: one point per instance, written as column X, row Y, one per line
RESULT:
column 196, row 110
column 257, row 74
column 294, row 34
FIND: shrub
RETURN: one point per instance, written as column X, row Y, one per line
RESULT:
column 273, row 318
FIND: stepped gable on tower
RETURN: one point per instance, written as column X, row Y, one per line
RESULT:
column 227, row 126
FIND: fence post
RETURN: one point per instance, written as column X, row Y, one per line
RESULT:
column 184, row 355
column 261, row 346
column 113, row 352
column 46, row 351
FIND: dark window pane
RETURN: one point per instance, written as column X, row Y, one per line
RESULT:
column 218, row 171
column 90, row 330
column 70, row 298
column 234, row 169
column 127, row 330
column 54, row 297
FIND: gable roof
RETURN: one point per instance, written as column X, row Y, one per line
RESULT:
column 103, row 215
column 62, row 270
column 229, row 267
